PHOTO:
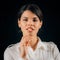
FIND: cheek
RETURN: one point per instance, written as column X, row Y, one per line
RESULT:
column 37, row 26
column 23, row 27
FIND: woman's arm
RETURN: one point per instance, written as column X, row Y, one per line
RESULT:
column 7, row 55
column 56, row 52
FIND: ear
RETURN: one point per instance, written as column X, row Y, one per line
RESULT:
column 41, row 22
column 19, row 23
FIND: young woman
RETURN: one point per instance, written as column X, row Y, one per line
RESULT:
column 31, row 47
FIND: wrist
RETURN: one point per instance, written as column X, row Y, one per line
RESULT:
column 24, row 57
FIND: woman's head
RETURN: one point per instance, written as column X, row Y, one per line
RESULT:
column 33, row 8
column 30, row 19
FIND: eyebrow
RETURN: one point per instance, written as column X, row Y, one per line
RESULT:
column 32, row 18
column 35, row 18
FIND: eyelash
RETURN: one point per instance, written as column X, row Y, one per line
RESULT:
column 25, row 20
column 33, row 20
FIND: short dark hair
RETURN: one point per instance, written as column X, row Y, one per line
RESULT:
column 33, row 8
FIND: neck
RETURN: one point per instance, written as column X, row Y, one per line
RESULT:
column 34, row 42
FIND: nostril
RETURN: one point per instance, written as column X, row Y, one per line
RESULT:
column 29, row 25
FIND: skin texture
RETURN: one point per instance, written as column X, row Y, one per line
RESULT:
column 30, row 25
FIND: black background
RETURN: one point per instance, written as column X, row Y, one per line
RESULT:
column 8, row 22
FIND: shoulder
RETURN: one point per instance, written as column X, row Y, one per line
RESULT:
column 53, row 45
column 11, row 48
column 50, row 45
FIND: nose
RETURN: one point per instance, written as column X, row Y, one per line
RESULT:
column 30, row 23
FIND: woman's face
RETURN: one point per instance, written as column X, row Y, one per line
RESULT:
column 29, row 23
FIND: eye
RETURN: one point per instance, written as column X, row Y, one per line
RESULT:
column 35, row 20
column 25, row 19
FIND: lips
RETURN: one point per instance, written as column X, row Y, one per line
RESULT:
column 30, row 29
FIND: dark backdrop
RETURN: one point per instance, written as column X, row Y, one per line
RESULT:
column 9, row 33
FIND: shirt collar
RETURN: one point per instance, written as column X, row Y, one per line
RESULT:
column 41, row 44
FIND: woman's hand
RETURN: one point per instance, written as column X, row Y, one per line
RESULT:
column 25, row 42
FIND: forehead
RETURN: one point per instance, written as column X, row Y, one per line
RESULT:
column 28, row 13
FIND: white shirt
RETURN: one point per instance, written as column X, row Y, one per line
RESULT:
column 44, row 51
